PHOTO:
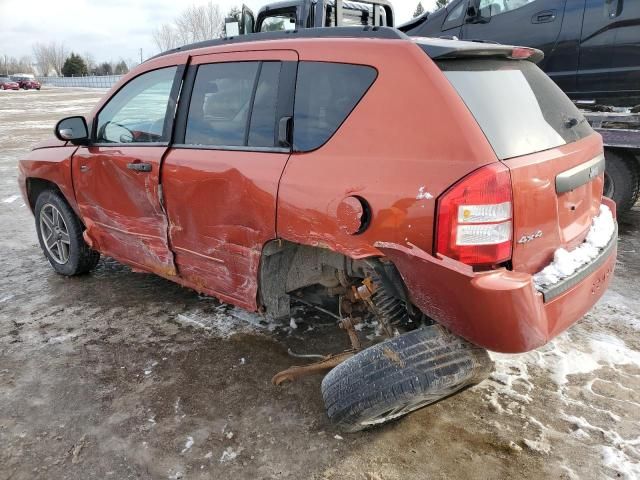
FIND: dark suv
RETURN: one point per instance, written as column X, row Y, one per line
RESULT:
column 592, row 47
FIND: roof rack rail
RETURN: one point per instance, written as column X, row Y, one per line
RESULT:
column 386, row 33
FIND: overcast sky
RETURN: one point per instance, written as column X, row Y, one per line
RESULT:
column 108, row 29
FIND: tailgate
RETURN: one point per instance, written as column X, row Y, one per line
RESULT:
column 555, row 159
column 556, row 193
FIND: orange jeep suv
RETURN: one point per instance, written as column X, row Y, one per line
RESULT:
column 446, row 191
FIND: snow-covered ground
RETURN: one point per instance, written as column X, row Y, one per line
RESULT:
column 124, row 375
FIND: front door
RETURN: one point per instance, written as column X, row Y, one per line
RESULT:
column 116, row 177
column 221, row 175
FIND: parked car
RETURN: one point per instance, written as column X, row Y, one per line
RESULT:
column 29, row 83
column 7, row 84
column 444, row 185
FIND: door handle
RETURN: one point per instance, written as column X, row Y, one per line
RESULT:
column 139, row 166
column 544, row 17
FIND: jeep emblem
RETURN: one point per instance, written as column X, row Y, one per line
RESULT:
column 528, row 238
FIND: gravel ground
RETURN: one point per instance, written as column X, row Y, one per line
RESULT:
column 125, row 375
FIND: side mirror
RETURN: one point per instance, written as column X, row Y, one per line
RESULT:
column 72, row 129
column 232, row 27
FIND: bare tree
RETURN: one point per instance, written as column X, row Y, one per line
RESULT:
column 50, row 57
column 12, row 65
column 58, row 56
column 89, row 61
column 195, row 24
column 165, row 37
column 43, row 60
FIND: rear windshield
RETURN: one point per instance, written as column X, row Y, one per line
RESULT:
column 519, row 108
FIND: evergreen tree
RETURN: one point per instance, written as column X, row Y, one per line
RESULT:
column 74, row 66
column 441, row 3
column 121, row 68
column 419, row 10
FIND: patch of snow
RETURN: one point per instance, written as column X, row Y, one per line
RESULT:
column 566, row 263
column 188, row 444
column 422, row 195
column 208, row 455
column 293, row 323
column 228, row 455
column 616, row 460
column 225, row 321
column 338, row 437
column 539, row 446
column 11, row 199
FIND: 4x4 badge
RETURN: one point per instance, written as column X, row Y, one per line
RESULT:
column 529, row 238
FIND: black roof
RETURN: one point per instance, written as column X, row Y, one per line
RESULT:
column 386, row 33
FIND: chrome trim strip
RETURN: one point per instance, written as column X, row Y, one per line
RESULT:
column 553, row 291
column 580, row 174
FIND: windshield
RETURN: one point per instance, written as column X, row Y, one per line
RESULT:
column 519, row 108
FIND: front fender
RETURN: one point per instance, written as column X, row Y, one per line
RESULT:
column 51, row 165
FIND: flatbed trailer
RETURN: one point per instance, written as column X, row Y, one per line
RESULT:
column 620, row 130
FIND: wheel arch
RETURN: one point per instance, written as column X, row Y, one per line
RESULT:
column 286, row 266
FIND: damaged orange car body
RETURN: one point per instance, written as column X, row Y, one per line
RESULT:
column 205, row 215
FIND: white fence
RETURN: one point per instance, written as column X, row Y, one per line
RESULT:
column 93, row 81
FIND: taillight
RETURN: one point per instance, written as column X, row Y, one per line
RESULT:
column 521, row 53
column 474, row 218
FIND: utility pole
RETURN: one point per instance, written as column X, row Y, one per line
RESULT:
column 141, row 55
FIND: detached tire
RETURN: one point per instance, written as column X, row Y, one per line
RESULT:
column 401, row 375
column 621, row 180
column 60, row 236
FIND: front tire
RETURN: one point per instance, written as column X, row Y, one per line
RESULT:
column 408, row 372
column 60, row 236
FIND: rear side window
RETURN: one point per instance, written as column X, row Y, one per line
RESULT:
column 519, row 108
column 326, row 93
column 234, row 105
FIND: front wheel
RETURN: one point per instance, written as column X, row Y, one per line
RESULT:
column 60, row 236
column 393, row 378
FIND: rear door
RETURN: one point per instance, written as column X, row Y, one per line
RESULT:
column 116, row 177
column 532, row 23
column 625, row 74
column 596, row 47
column 221, row 176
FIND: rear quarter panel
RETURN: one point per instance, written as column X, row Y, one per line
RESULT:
column 406, row 142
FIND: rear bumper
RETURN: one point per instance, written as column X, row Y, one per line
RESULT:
column 500, row 310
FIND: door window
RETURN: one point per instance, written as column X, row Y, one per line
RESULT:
column 234, row 105
column 326, row 93
column 262, row 128
column 277, row 23
column 491, row 8
column 138, row 112
column 455, row 16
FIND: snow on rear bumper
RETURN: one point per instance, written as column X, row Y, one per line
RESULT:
column 500, row 310
column 569, row 268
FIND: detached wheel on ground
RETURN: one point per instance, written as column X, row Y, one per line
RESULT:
column 60, row 236
column 389, row 380
column 621, row 180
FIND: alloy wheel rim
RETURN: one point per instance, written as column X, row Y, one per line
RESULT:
column 55, row 234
